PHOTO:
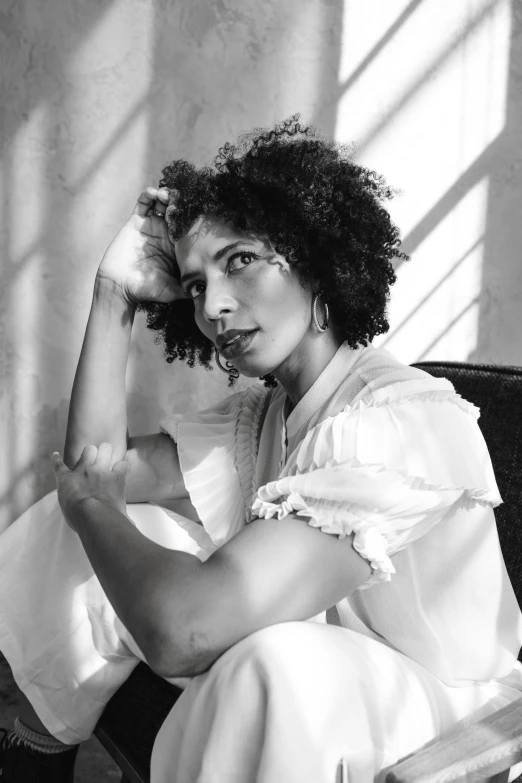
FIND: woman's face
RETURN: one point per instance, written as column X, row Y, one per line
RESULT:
column 247, row 299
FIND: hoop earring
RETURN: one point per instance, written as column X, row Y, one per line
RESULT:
column 231, row 371
column 326, row 321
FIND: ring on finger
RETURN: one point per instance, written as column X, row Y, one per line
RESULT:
column 158, row 213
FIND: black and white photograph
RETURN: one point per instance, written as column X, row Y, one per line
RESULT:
column 260, row 391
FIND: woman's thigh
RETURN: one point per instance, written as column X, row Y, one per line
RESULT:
column 289, row 701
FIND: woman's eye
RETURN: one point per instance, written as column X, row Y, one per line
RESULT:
column 240, row 260
column 194, row 290
column 235, row 263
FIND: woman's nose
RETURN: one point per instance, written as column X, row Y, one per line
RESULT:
column 217, row 302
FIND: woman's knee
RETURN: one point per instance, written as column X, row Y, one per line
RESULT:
column 284, row 649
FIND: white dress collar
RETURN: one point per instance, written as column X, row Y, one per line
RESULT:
column 322, row 388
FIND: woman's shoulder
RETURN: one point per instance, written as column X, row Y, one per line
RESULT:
column 381, row 400
column 377, row 367
column 377, row 376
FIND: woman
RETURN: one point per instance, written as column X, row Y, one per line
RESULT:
column 346, row 479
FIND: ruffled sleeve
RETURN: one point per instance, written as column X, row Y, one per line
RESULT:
column 217, row 453
column 387, row 469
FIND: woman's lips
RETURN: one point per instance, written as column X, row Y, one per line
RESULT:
column 236, row 346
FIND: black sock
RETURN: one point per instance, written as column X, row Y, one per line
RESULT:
column 41, row 743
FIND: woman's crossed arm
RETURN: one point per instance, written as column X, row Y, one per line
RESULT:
column 183, row 613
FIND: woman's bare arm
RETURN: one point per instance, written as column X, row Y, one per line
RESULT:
column 137, row 267
column 98, row 409
column 184, row 613
column 155, row 473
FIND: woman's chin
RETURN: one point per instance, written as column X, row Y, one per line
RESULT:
column 251, row 373
column 251, row 369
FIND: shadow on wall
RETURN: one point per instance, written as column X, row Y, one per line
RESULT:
column 500, row 164
column 35, row 51
column 502, row 268
column 215, row 70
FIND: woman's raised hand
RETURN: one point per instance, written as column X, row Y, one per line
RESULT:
column 140, row 259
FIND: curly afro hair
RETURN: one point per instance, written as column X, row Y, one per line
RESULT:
column 317, row 207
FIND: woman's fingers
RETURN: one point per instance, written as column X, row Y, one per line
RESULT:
column 162, row 200
column 57, row 464
column 160, row 205
column 171, row 208
column 104, row 458
column 145, row 201
column 97, row 456
column 88, row 456
column 152, row 201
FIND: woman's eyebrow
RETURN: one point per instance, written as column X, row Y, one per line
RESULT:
column 224, row 250
column 187, row 277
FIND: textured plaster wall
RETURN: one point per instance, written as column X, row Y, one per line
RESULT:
column 97, row 96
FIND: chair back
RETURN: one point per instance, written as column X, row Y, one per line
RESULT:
column 497, row 391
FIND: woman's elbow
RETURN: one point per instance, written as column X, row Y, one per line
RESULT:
column 184, row 655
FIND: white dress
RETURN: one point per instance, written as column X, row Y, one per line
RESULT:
column 374, row 448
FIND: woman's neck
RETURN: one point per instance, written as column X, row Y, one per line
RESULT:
column 301, row 369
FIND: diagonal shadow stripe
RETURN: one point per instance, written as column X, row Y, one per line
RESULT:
column 480, row 168
column 124, row 127
column 449, row 326
column 376, row 50
column 423, row 301
column 435, row 65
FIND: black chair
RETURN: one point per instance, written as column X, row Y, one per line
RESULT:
column 135, row 713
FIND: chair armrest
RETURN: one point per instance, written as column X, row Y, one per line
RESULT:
column 475, row 753
column 131, row 768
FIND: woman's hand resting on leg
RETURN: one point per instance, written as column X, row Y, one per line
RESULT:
column 93, row 476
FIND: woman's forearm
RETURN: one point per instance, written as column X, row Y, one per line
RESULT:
column 156, row 592
column 98, row 409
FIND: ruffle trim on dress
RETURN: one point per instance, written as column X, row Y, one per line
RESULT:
column 386, row 509
column 471, row 494
column 415, row 391
column 367, row 540
column 423, row 390
column 429, row 439
column 169, row 425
